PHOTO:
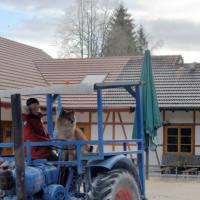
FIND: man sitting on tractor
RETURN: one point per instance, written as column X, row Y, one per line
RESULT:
column 34, row 131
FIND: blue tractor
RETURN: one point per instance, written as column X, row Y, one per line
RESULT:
column 93, row 176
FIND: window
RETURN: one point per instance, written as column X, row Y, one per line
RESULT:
column 94, row 78
column 179, row 139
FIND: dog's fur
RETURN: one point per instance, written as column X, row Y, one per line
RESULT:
column 67, row 130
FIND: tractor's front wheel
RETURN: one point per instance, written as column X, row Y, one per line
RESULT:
column 114, row 185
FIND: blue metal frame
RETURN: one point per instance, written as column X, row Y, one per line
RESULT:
column 100, row 122
column 140, row 135
column 139, row 115
column 50, row 99
column 100, row 142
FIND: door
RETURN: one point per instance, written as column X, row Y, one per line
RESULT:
column 85, row 127
column 7, row 137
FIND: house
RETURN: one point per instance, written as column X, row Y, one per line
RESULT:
column 176, row 84
column 17, row 70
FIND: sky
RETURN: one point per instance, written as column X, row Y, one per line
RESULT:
column 175, row 24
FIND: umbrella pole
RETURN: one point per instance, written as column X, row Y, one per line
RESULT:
column 157, row 157
column 147, row 155
column 147, row 163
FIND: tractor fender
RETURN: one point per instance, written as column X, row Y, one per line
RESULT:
column 114, row 162
column 107, row 163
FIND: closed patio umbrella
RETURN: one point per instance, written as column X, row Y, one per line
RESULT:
column 151, row 114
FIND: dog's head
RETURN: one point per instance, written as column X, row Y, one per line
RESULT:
column 66, row 120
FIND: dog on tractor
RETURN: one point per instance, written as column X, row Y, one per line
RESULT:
column 67, row 130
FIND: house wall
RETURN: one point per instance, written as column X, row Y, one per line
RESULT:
column 6, row 114
column 179, row 117
column 197, row 114
column 128, row 119
column 176, row 117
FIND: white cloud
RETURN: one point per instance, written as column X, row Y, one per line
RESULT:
column 39, row 27
column 177, row 34
column 176, row 22
column 35, row 5
column 170, row 9
column 188, row 56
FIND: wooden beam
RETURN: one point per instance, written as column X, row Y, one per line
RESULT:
column 121, row 145
column 180, row 124
column 113, row 130
column 94, row 109
column 193, row 139
column 193, row 132
column 124, row 130
column 104, row 127
column 194, row 117
column 164, row 133
column 90, row 123
column 90, row 117
column 164, row 115
column 106, row 122
column 116, row 123
column 122, row 124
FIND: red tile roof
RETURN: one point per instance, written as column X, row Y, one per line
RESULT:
column 16, row 67
column 74, row 70
column 25, row 66
column 117, row 69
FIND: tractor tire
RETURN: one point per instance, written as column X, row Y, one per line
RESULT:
column 117, row 184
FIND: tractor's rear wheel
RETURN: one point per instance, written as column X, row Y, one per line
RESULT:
column 114, row 185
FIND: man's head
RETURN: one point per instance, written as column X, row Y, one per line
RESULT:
column 33, row 105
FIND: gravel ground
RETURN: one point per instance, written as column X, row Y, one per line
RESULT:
column 173, row 189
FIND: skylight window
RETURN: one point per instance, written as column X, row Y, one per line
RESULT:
column 94, row 78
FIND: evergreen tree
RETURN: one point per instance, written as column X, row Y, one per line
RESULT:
column 142, row 43
column 121, row 37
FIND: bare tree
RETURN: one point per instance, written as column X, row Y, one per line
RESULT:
column 83, row 31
